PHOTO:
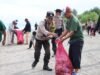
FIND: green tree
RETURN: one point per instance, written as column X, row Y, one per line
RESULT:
column 96, row 9
column 88, row 15
column 93, row 14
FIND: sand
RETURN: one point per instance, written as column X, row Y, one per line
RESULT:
column 17, row 59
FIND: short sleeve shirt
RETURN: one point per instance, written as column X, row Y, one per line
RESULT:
column 73, row 24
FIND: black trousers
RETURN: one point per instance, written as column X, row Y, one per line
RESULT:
column 75, row 52
column 31, row 43
column 88, row 30
column 38, row 47
column 58, row 32
column 53, row 45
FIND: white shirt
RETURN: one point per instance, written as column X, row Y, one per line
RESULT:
column 11, row 27
column 58, row 22
column 42, row 33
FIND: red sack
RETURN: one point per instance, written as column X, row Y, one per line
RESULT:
column 63, row 63
column 20, row 38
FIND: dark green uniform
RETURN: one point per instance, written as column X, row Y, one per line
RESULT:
column 2, row 28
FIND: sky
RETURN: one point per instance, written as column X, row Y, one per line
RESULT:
column 35, row 10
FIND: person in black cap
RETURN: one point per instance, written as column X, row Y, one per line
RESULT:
column 58, row 27
column 42, row 38
column 58, row 21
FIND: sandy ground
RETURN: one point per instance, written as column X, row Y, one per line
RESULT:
column 17, row 59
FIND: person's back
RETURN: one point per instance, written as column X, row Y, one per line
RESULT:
column 27, row 26
column 27, row 29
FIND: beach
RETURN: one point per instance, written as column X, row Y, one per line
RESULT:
column 17, row 59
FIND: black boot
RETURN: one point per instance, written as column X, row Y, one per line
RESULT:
column 34, row 64
column 45, row 67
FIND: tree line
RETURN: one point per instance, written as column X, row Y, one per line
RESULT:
column 92, row 14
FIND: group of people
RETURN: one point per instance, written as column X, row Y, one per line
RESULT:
column 52, row 28
column 91, row 26
column 13, row 26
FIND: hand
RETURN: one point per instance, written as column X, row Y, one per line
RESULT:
column 3, row 42
column 50, row 36
column 62, row 39
column 55, row 35
column 58, row 40
column 23, row 31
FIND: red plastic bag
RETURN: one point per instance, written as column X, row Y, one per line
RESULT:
column 20, row 38
column 63, row 63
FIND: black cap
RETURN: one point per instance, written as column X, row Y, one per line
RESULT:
column 49, row 14
column 58, row 10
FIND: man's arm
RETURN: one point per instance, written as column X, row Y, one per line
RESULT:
column 68, row 35
column 44, row 31
column 63, row 34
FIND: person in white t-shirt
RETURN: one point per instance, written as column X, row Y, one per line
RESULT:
column 11, row 29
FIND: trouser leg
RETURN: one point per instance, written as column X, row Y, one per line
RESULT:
column 46, row 46
column 30, row 45
column 54, row 45
column 38, row 47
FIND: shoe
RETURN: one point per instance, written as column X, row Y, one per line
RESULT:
column 34, row 64
column 47, row 68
